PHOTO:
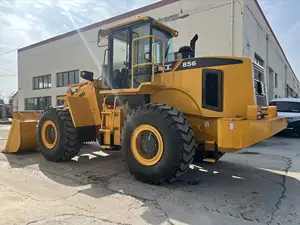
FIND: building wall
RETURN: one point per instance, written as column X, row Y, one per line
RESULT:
column 223, row 29
column 211, row 20
column 15, row 102
column 258, row 38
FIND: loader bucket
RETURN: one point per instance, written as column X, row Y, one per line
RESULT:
column 22, row 134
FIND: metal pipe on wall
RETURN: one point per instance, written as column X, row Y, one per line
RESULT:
column 267, row 71
column 231, row 27
column 285, row 81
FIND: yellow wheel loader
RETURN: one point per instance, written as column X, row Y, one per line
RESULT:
column 162, row 108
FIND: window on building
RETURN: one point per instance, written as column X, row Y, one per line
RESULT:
column 290, row 93
column 64, row 79
column 38, row 103
column 276, row 80
column 259, row 80
column 41, row 82
column 259, row 74
column 30, row 103
column 294, row 83
column 259, row 60
column 59, row 101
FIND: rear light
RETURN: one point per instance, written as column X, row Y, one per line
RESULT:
column 256, row 112
column 272, row 111
column 259, row 115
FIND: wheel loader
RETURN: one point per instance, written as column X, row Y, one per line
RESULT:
column 163, row 109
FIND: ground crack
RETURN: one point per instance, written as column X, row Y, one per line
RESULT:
column 165, row 214
column 35, row 199
column 19, row 193
column 76, row 214
column 245, row 218
column 144, row 200
column 282, row 193
column 267, row 178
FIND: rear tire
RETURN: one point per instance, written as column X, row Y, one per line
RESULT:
column 177, row 138
column 67, row 143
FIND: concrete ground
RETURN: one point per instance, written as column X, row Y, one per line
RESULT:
column 259, row 185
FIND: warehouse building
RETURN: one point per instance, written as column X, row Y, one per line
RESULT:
column 225, row 28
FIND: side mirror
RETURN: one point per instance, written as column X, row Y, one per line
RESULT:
column 101, row 34
column 87, row 75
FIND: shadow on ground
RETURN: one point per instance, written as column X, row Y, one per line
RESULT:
column 241, row 186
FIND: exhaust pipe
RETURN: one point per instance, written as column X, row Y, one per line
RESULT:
column 193, row 45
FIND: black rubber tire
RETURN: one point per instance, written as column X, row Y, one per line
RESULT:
column 68, row 143
column 178, row 140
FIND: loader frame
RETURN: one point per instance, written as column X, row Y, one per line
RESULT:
column 160, row 112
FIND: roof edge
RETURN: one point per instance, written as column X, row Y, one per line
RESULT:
column 101, row 23
column 134, row 12
column 265, row 18
column 14, row 94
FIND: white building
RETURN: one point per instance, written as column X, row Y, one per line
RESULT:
column 225, row 27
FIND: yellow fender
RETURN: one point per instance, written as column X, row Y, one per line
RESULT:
column 23, row 132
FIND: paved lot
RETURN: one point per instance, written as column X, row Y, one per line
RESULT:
column 259, row 185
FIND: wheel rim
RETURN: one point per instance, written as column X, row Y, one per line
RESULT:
column 147, row 145
column 49, row 134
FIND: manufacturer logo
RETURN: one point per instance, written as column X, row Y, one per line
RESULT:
column 168, row 67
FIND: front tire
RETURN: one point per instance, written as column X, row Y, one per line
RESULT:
column 58, row 139
column 167, row 148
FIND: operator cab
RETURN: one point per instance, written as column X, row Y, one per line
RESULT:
column 135, row 51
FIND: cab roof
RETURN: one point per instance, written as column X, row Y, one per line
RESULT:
column 172, row 32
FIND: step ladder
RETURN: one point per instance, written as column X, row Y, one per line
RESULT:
column 211, row 146
column 105, row 114
column 209, row 160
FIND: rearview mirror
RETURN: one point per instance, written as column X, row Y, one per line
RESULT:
column 101, row 34
column 87, row 75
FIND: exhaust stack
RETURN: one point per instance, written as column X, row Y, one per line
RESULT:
column 193, row 45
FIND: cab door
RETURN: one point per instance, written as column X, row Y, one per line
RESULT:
column 119, row 59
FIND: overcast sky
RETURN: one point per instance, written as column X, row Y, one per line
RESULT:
column 24, row 22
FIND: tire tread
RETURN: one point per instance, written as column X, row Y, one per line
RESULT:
column 179, row 122
column 71, row 145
